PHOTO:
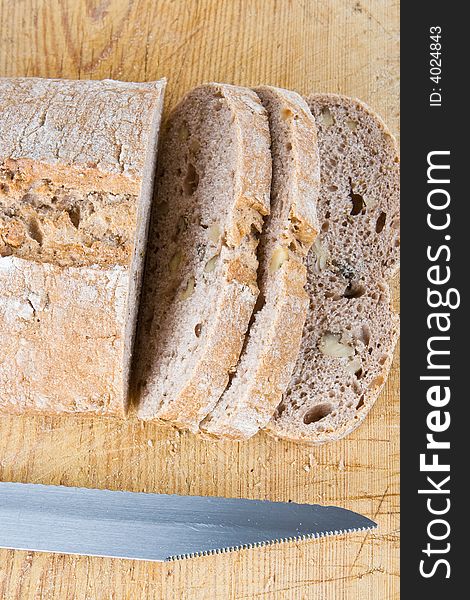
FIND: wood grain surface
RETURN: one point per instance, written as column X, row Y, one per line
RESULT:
column 344, row 46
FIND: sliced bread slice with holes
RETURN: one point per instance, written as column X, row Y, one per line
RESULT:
column 213, row 192
column 351, row 331
column 273, row 341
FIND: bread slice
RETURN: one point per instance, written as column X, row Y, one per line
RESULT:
column 350, row 334
column 212, row 195
column 77, row 163
column 273, row 341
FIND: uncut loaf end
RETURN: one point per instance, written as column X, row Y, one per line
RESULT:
column 77, row 161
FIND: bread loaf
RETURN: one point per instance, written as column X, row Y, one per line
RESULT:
column 212, row 195
column 273, row 341
column 350, row 333
column 77, row 161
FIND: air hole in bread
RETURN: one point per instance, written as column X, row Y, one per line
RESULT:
column 289, row 146
column 292, row 246
column 325, row 226
column 380, row 224
column 34, row 230
column 360, row 404
column 365, row 334
column 191, row 181
column 358, row 204
column 358, row 374
column 74, row 216
column 354, row 290
column 197, row 330
column 317, row 413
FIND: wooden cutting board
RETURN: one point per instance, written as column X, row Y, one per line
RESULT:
column 344, row 46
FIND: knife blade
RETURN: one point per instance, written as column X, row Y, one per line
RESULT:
column 156, row 527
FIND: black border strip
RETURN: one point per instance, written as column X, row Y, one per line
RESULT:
column 434, row 567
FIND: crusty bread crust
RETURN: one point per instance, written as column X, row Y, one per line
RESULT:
column 61, row 332
column 273, row 342
column 186, row 399
column 85, row 134
column 76, row 167
column 350, row 334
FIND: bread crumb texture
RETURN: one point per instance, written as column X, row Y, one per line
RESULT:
column 200, row 290
column 272, row 343
column 351, row 331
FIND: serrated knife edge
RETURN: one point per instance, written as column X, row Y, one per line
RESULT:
column 302, row 538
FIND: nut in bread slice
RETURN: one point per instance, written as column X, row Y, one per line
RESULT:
column 351, row 331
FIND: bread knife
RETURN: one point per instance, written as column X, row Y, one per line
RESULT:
column 156, row 527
